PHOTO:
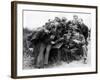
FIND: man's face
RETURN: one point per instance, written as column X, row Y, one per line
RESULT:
column 75, row 17
column 69, row 35
column 65, row 36
column 80, row 21
column 74, row 32
column 64, row 19
column 54, row 29
column 57, row 19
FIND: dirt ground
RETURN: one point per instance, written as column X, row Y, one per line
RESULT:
column 28, row 62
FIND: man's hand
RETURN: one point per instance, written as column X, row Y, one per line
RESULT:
column 47, row 31
column 52, row 37
column 52, row 42
column 77, row 41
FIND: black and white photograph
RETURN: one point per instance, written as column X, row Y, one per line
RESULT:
column 55, row 39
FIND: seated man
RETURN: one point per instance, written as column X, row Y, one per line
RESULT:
column 80, row 43
column 66, row 54
column 62, row 44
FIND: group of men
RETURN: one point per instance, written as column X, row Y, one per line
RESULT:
column 67, row 37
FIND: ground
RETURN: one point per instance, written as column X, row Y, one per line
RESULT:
column 28, row 62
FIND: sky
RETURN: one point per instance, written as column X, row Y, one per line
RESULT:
column 34, row 19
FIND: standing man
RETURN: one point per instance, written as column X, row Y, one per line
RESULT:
column 84, row 29
column 75, row 19
column 49, row 42
column 64, row 24
column 39, row 46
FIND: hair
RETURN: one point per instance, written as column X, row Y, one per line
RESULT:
column 75, row 16
column 64, row 19
column 57, row 19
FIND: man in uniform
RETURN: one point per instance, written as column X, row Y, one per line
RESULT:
column 49, row 42
column 66, row 54
column 84, row 29
column 75, row 19
column 62, row 44
column 80, row 43
column 64, row 24
column 38, row 40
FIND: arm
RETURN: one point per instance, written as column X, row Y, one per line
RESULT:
column 81, row 39
column 59, row 40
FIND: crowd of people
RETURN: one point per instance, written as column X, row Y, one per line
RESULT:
column 59, row 40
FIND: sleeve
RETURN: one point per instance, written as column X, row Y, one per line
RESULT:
column 82, row 39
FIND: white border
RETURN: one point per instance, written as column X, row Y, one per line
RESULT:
column 21, row 72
